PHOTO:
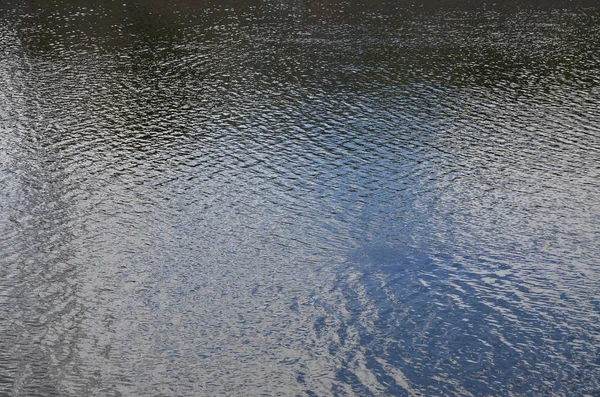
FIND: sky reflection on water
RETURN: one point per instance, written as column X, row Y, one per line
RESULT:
column 299, row 198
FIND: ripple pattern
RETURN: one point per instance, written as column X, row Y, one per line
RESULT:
column 299, row 198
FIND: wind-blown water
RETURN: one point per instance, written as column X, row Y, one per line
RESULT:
column 299, row 198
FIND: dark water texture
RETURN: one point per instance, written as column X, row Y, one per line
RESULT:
column 294, row 197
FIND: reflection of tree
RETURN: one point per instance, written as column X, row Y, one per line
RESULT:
column 37, row 269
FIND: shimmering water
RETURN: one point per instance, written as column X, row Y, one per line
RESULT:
column 295, row 197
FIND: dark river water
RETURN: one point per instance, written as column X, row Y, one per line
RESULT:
column 299, row 198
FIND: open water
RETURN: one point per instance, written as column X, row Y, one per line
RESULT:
column 299, row 197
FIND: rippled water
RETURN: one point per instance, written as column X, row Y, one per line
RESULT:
column 299, row 198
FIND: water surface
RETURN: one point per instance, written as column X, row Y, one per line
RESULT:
column 299, row 198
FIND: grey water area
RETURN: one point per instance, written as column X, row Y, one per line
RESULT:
column 299, row 198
